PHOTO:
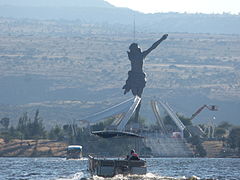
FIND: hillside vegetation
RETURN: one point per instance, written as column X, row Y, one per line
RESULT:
column 69, row 69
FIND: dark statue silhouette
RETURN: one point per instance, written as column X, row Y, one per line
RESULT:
column 136, row 77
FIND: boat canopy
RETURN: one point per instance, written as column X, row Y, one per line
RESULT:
column 110, row 134
column 74, row 147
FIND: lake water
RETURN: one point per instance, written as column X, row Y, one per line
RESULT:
column 158, row 168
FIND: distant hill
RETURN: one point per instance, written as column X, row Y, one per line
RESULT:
column 56, row 3
column 75, row 63
column 99, row 11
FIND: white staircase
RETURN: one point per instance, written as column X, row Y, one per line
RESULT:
column 163, row 146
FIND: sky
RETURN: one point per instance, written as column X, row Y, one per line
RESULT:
column 189, row 6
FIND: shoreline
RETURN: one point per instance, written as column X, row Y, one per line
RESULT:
column 58, row 149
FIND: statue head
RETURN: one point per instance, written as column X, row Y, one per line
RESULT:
column 134, row 47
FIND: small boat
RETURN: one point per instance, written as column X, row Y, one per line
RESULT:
column 74, row 152
column 110, row 167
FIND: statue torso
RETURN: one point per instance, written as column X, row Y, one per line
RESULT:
column 136, row 62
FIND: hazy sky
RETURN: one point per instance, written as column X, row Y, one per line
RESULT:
column 190, row 6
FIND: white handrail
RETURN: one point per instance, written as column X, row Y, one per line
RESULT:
column 112, row 111
column 174, row 117
column 129, row 114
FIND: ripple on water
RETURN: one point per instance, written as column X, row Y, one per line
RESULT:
column 148, row 176
column 158, row 169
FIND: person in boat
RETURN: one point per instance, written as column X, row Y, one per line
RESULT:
column 134, row 155
column 136, row 77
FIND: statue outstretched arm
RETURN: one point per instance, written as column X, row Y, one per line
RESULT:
column 145, row 53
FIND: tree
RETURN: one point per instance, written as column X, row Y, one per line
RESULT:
column 168, row 121
column 38, row 130
column 56, row 133
column 225, row 125
column 141, row 120
column 200, row 150
column 185, row 120
column 219, row 132
column 103, row 124
column 23, row 124
column 196, row 141
column 31, row 129
column 5, row 122
column 234, row 138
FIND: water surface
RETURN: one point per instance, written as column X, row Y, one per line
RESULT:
column 158, row 168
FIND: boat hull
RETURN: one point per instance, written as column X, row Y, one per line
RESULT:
column 111, row 167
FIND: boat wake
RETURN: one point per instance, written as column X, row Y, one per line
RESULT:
column 148, row 176
column 79, row 159
column 77, row 176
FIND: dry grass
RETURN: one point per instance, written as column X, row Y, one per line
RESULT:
column 28, row 148
column 213, row 148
